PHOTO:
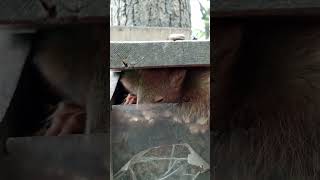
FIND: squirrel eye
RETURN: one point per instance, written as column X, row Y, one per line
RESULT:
column 158, row 99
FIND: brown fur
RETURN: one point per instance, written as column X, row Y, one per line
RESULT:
column 174, row 85
column 155, row 85
column 268, row 86
column 68, row 57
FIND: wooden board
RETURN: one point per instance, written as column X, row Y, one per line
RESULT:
column 148, row 54
column 136, row 33
column 51, row 158
column 231, row 8
column 14, row 49
column 23, row 12
column 114, row 78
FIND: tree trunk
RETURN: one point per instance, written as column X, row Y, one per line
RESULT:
column 150, row 13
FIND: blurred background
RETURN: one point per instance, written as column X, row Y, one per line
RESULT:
column 200, row 19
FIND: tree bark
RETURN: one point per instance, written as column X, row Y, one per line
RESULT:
column 149, row 13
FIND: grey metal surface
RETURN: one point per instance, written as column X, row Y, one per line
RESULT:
column 143, row 54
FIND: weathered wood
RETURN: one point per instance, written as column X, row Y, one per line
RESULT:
column 14, row 49
column 67, row 157
column 138, row 127
column 26, row 12
column 223, row 8
column 124, row 55
column 97, row 106
column 160, row 13
column 114, row 78
column 123, row 33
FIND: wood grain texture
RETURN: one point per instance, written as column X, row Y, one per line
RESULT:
column 230, row 8
column 26, row 12
column 136, row 33
column 114, row 78
column 126, row 55
column 160, row 13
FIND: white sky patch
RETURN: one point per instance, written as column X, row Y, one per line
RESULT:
column 196, row 21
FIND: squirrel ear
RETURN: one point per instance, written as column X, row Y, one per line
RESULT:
column 177, row 78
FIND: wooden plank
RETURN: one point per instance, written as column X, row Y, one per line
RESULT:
column 98, row 121
column 138, row 127
column 65, row 158
column 114, row 78
column 148, row 54
column 52, row 11
column 14, row 49
column 231, row 8
column 123, row 33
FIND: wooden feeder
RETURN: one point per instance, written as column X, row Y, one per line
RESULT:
column 135, row 128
